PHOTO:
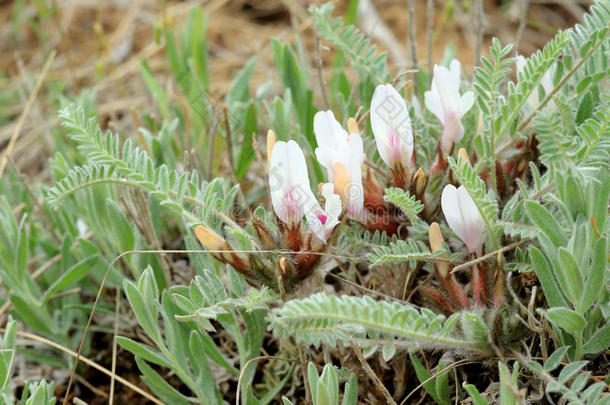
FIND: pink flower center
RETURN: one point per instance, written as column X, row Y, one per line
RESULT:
column 322, row 218
column 289, row 196
column 395, row 147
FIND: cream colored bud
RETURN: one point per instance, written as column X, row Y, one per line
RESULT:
column 210, row 239
column 342, row 180
column 283, row 265
column 464, row 155
column 435, row 236
column 270, row 145
column 436, row 243
column 420, row 181
column 352, row 126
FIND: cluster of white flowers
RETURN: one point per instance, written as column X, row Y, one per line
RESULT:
column 341, row 154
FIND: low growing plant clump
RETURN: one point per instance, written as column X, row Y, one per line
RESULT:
column 443, row 234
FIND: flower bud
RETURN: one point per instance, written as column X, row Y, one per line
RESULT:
column 391, row 126
column 210, row 239
column 444, row 100
column 419, row 183
column 464, row 155
column 263, row 233
column 352, row 126
column 436, row 243
column 270, row 145
column 283, row 265
column 341, row 180
column 454, row 291
column 435, row 236
column 463, row 217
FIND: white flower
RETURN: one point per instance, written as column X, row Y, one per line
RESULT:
column 291, row 195
column 444, row 100
column 463, row 217
column 391, row 126
column 322, row 222
column 336, row 145
column 546, row 82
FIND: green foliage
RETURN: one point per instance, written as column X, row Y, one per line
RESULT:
column 437, row 388
column 351, row 42
column 178, row 349
column 571, row 264
column 325, row 388
column 34, row 393
column 186, row 312
column 130, row 166
column 509, row 388
column 399, row 251
column 570, row 380
column 205, row 325
column 586, row 147
column 328, row 320
column 406, row 202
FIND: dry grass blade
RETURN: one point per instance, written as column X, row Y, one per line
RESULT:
column 241, row 374
column 25, row 111
column 89, row 362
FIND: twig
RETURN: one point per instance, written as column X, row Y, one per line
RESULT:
column 412, row 43
column 211, row 146
column 522, row 22
column 114, row 343
column 363, row 288
column 320, row 76
column 225, row 111
column 369, row 371
column 39, row 208
column 433, row 376
column 87, row 361
column 430, row 34
column 26, row 110
column 478, row 9
column 302, row 359
column 491, row 254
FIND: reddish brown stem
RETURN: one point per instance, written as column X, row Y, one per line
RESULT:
column 479, row 285
column 438, row 300
column 454, row 291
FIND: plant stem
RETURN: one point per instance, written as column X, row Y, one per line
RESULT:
column 412, row 42
column 478, row 9
column 522, row 22
column 559, row 85
column 369, row 371
column 320, row 75
column 429, row 30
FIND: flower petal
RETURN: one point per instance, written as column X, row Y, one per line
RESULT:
column 447, row 88
column 455, row 68
column 474, row 236
column 450, row 206
column 466, row 103
column 391, row 125
column 289, row 182
column 331, row 139
column 463, row 216
column 432, row 99
column 279, row 183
